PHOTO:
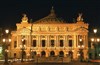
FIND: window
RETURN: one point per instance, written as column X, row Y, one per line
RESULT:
column 34, row 43
column 61, row 43
column 15, row 44
column 52, row 43
column 43, row 43
column 70, row 43
column 14, row 55
column 24, row 42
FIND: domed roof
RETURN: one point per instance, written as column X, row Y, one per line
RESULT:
column 50, row 19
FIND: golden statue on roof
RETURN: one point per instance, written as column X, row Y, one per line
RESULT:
column 79, row 18
column 24, row 18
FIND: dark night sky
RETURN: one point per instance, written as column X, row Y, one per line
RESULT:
column 11, row 10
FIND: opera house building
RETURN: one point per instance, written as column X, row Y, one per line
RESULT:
column 50, row 37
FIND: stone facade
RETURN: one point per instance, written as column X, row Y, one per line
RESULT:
column 50, row 36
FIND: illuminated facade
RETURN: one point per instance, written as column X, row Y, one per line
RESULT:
column 50, row 36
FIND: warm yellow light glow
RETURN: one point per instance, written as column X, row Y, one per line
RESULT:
column 6, row 50
column 4, row 40
column 80, row 40
column 24, row 46
column 28, row 54
column 78, row 54
column 20, row 46
column 78, row 46
column 22, row 40
column 82, row 46
column 92, row 39
column 95, row 30
column 98, row 40
column 72, row 50
column 9, row 40
column 7, row 31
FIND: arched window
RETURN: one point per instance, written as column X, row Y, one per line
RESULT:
column 23, row 41
column 52, row 53
column 43, row 53
column 34, row 43
column 61, row 54
column 14, row 55
column 61, row 43
column 70, row 43
column 43, row 43
column 52, row 43
column 71, row 54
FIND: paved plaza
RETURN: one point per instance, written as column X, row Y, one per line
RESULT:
column 52, row 63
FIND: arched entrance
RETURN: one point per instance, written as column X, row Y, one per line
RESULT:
column 52, row 53
column 61, row 54
column 70, row 54
column 43, row 53
column 34, row 54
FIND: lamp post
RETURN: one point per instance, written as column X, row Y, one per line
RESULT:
column 6, row 41
column 31, row 53
column 95, row 42
column 22, row 47
column 81, row 51
column 81, row 47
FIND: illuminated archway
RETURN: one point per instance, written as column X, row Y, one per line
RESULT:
column 61, row 54
column 52, row 53
column 43, row 53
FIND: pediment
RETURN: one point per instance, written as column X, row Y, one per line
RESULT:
column 23, row 31
column 81, row 29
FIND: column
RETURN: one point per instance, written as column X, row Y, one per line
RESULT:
column 19, row 40
column 65, row 53
column 65, row 45
column 76, row 50
column 64, row 41
column 67, row 41
column 30, row 40
column 56, row 42
column 38, row 42
column 47, row 41
column 86, row 44
column 56, row 53
column 85, row 54
column 75, row 46
column 86, row 39
column 47, row 54
column 46, row 38
column 75, row 41
column 75, row 54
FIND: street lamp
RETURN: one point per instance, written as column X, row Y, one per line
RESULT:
column 81, row 47
column 6, row 41
column 31, row 53
column 22, row 47
column 81, row 51
column 95, row 42
column 95, row 31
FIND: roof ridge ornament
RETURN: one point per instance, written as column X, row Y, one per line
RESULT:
column 52, row 12
column 79, row 18
column 24, row 18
